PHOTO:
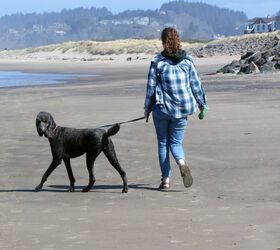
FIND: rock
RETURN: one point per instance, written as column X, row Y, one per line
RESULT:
column 270, row 45
column 268, row 66
column 266, row 58
column 276, row 58
column 256, row 57
column 276, row 50
column 257, row 50
column 244, row 68
column 214, row 45
column 248, row 54
column 249, row 68
column 233, row 68
column 235, row 64
column 267, row 53
column 225, row 69
column 260, row 62
column 277, row 65
column 253, row 68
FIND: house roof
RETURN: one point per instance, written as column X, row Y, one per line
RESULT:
column 263, row 19
column 259, row 19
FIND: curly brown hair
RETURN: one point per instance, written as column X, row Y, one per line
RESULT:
column 171, row 40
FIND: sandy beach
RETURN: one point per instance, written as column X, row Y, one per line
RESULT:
column 233, row 153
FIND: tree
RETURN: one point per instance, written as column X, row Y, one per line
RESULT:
column 193, row 20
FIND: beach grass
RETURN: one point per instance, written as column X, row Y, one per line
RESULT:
column 248, row 37
column 118, row 47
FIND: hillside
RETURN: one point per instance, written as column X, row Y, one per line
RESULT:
column 193, row 21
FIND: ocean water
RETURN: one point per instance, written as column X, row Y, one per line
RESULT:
column 19, row 79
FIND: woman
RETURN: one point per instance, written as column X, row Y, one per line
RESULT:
column 174, row 91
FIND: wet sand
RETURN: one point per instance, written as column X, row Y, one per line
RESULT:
column 233, row 154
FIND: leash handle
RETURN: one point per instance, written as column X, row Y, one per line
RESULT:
column 147, row 118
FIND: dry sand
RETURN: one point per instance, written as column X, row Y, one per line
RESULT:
column 234, row 156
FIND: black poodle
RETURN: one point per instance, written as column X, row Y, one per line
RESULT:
column 67, row 143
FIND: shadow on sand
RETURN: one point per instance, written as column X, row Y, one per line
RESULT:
column 96, row 188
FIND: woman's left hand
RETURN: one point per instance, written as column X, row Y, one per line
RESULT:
column 201, row 108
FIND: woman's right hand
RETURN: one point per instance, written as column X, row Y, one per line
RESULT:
column 147, row 117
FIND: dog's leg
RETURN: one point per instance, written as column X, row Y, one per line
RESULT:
column 110, row 153
column 90, row 163
column 70, row 174
column 51, row 168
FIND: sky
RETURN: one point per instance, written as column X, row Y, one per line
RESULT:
column 252, row 8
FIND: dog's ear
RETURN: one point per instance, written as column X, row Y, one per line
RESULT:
column 51, row 123
column 50, row 127
column 39, row 130
column 41, row 125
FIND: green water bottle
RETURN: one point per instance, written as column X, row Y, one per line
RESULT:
column 202, row 113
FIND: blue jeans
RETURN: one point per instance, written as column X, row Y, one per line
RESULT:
column 170, row 134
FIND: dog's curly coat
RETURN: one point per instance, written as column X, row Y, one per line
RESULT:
column 67, row 143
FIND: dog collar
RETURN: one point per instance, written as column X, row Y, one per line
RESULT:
column 55, row 128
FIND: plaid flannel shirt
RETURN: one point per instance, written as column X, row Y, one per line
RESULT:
column 175, row 87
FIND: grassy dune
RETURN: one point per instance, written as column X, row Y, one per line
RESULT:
column 125, row 46
column 88, row 49
column 247, row 37
column 116, row 47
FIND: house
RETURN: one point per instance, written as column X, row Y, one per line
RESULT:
column 262, row 24
column 59, row 33
column 141, row 20
column 37, row 28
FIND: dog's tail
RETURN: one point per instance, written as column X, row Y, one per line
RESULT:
column 113, row 130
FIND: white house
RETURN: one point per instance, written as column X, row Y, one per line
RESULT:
column 141, row 20
column 262, row 24
column 59, row 33
column 37, row 28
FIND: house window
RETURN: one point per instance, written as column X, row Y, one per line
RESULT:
column 263, row 27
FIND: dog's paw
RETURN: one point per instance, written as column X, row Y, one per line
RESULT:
column 85, row 190
column 38, row 188
column 125, row 190
column 71, row 190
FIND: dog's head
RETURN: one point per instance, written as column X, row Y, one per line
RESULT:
column 45, row 124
